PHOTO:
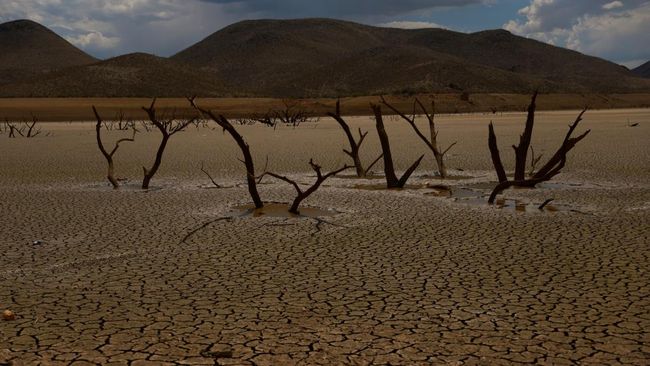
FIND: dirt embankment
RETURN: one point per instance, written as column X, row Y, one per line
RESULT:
column 79, row 109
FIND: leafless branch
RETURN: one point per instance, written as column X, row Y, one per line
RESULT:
column 168, row 127
column 302, row 195
column 432, row 141
column 109, row 155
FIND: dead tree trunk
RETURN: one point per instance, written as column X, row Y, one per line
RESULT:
column 545, row 173
column 355, row 146
column 109, row 155
column 11, row 127
column 167, row 127
column 496, row 158
column 521, row 150
column 243, row 146
column 432, row 143
column 389, row 169
column 302, row 195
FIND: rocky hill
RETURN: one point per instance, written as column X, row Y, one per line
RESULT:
column 308, row 58
column 28, row 49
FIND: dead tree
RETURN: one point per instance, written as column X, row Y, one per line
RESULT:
column 12, row 129
column 389, row 169
column 120, row 122
column 24, row 129
column 243, row 146
column 291, row 113
column 302, row 195
column 31, row 131
column 266, row 120
column 109, row 155
column 354, row 145
column 552, row 167
column 168, row 127
column 432, row 142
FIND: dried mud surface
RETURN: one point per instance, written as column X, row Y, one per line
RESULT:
column 400, row 277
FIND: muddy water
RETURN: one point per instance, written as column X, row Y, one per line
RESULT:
column 279, row 210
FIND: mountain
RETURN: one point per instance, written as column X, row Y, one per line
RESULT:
column 324, row 57
column 132, row 75
column 28, row 49
column 307, row 58
column 643, row 70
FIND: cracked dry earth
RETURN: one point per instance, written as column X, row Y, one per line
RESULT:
column 396, row 277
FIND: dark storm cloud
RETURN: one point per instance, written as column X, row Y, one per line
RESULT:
column 336, row 8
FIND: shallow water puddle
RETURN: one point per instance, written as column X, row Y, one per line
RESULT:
column 516, row 205
column 447, row 178
column 382, row 187
column 354, row 176
column 279, row 210
column 453, row 192
column 124, row 187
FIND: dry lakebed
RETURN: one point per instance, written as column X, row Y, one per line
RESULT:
column 187, row 273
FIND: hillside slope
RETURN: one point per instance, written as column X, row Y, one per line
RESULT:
column 643, row 70
column 307, row 58
column 132, row 75
column 321, row 57
column 28, row 49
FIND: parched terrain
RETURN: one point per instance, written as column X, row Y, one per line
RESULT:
column 97, row 276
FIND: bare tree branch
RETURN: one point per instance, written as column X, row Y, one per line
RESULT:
column 167, row 127
column 432, row 142
column 209, row 176
column 243, row 146
column 521, row 150
column 109, row 155
column 355, row 146
column 300, row 194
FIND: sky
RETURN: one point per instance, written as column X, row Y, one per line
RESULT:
column 616, row 30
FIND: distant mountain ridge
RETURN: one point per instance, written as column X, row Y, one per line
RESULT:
column 131, row 75
column 317, row 58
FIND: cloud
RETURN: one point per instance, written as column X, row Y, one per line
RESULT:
column 107, row 28
column 405, row 24
column 338, row 8
column 613, row 5
column 113, row 27
column 608, row 29
column 613, row 29
column 94, row 40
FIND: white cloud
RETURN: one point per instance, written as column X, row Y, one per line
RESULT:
column 107, row 28
column 404, row 24
column 613, row 5
column 615, row 30
column 94, row 40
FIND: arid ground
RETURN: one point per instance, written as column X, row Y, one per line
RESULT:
column 408, row 277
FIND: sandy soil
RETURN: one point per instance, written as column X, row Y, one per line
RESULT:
column 396, row 277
